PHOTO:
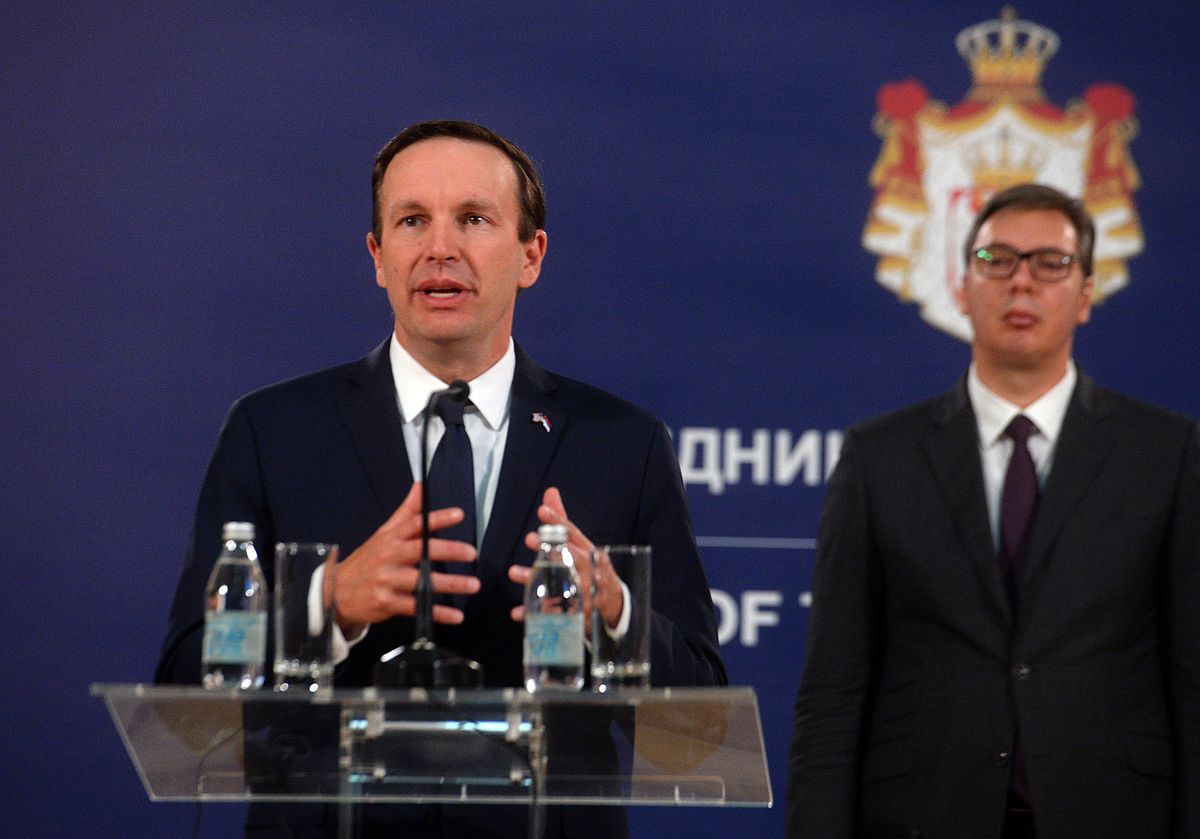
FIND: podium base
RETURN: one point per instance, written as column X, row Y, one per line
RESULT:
column 423, row 664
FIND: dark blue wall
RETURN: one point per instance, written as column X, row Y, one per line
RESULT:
column 186, row 192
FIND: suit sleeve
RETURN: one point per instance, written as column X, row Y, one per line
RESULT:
column 1183, row 591
column 683, row 634
column 840, row 663
column 232, row 491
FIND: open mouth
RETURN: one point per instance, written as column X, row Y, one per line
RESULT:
column 442, row 289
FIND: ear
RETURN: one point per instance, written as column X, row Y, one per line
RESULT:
column 534, row 253
column 373, row 248
column 1085, row 301
column 960, row 294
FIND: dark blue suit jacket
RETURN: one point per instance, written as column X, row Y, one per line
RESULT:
column 322, row 458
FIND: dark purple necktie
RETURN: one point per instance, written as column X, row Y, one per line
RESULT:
column 1017, row 506
column 452, row 473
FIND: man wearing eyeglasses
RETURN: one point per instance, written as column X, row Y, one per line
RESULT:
column 1005, row 635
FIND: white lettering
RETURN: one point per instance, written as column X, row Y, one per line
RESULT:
column 756, row 613
column 700, row 458
column 833, row 450
column 758, row 455
column 715, row 457
column 789, row 459
column 727, row 615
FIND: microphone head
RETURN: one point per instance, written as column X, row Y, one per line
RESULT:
column 458, row 390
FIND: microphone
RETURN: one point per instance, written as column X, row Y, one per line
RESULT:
column 423, row 663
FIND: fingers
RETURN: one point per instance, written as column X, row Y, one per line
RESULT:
column 552, row 498
column 454, row 583
column 441, row 519
column 406, row 604
column 405, row 521
column 520, row 575
column 447, row 614
column 552, row 511
column 449, row 584
column 376, row 581
column 609, row 598
column 410, row 506
column 391, row 592
column 448, row 550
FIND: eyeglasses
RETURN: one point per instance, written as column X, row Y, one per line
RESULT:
column 1046, row 265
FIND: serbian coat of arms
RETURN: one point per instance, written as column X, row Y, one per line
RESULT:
column 940, row 164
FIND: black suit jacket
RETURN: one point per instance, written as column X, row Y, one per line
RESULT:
column 322, row 458
column 919, row 675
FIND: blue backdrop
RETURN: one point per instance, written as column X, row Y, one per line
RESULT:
column 186, row 193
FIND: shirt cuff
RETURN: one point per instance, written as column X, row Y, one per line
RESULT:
column 618, row 632
column 340, row 644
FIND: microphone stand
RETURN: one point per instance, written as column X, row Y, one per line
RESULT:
column 423, row 663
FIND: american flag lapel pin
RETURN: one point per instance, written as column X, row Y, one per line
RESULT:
column 542, row 419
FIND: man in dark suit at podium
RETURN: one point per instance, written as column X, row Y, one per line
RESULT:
column 457, row 234
column 1005, row 636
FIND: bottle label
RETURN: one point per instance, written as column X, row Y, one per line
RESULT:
column 554, row 640
column 235, row 637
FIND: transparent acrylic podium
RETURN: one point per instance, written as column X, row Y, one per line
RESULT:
column 671, row 746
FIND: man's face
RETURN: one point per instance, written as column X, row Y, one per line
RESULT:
column 449, row 256
column 1021, row 323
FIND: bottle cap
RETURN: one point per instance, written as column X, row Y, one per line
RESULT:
column 553, row 534
column 238, row 531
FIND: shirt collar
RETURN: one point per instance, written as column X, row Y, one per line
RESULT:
column 993, row 413
column 489, row 391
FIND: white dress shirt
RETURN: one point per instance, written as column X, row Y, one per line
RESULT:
column 992, row 416
column 485, row 418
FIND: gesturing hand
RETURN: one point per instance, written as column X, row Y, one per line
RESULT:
column 609, row 594
column 377, row 581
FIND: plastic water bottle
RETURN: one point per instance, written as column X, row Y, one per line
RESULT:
column 553, row 616
column 235, row 614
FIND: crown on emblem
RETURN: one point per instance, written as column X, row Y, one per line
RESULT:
column 997, row 163
column 1007, row 53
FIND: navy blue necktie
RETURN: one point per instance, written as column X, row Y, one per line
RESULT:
column 452, row 472
column 1017, row 507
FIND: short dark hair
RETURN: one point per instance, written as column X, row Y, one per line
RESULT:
column 1039, row 197
column 530, row 195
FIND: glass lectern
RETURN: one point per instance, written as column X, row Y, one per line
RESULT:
column 670, row 746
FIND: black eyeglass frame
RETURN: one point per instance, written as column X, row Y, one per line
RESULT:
column 981, row 263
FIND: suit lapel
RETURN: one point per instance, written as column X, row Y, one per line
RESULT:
column 1084, row 443
column 953, row 453
column 371, row 416
column 528, row 450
